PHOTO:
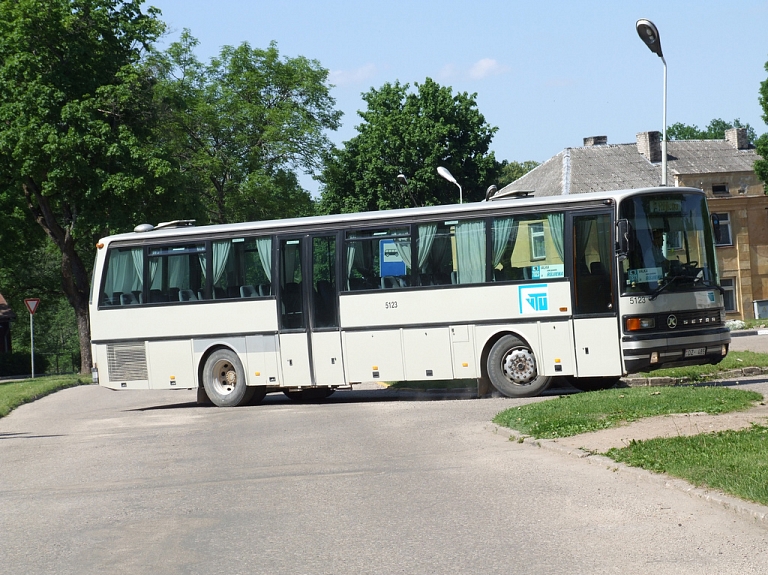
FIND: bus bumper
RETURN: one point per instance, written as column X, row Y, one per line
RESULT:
column 650, row 352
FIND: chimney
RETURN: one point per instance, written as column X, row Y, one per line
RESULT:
column 649, row 145
column 737, row 137
column 595, row 141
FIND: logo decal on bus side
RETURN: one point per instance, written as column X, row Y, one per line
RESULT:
column 533, row 298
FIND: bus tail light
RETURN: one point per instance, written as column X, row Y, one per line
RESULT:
column 638, row 323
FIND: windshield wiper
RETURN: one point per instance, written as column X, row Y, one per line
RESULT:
column 707, row 283
column 661, row 288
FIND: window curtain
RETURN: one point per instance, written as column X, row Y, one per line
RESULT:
column 138, row 264
column 350, row 260
column 264, row 247
column 403, row 247
column 220, row 256
column 178, row 271
column 604, row 241
column 504, row 232
column 556, row 232
column 583, row 229
column 427, row 233
column 121, row 276
column 470, row 252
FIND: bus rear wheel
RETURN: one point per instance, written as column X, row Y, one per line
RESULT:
column 224, row 379
column 512, row 369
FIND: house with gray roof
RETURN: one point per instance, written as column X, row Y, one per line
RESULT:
column 724, row 169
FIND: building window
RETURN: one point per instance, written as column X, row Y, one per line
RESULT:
column 720, row 190
column 538, row 246
column 722, row 230
column 729, row 295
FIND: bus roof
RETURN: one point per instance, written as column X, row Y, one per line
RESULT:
column 184, row 229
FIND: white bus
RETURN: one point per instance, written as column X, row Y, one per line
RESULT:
column 513, row 292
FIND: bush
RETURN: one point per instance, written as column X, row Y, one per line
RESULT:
column 19, row 363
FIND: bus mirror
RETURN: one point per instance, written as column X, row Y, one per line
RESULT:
column 716, row 227
column 622, row 238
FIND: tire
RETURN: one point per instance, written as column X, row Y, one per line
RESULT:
column 512, row 369
column 309, row 394
column 224, row 379
column 593, row 383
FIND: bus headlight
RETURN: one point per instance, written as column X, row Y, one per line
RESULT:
column 638, row 323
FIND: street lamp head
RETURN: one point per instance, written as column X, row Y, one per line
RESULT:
column 649, row 34
column 402, row 179
column 444, row 173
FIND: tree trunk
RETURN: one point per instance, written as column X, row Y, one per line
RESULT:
column 74, row 277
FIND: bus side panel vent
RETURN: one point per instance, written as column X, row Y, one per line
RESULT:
column 127, row 361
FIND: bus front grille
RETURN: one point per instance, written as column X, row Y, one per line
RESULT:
column 127, row 361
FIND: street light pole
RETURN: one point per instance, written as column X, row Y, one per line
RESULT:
column 649, row 34
column 444, row 173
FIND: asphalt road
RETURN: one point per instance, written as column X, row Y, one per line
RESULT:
column 95, row 481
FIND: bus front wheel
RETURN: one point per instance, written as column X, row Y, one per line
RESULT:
column 512, row 369
column 224, row 379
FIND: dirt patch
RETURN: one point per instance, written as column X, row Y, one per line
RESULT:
column 665, row 426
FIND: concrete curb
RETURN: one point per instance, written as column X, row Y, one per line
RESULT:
column 745, row 332
column 758, row 513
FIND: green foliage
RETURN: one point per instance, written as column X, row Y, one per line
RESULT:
column 761, row 166
column 733, row 461
column 511, row 171
column 715, row 130
column 243, row 125
column 19, row 363
column 77, row 127
column 16, row 393
column 583, row 412
column 410, row 133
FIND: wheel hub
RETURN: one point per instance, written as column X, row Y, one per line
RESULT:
column 519, row 366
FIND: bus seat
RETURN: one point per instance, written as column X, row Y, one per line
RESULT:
column 233, row 291
column 187, row 295
column 116, row 298
column 128, row 299
column 248, row 291
column 454, row 277
column 155, row 295
column 265, row 290
column 219, row 292
column 388, row 282
column 173, row 294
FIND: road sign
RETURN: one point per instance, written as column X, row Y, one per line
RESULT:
column 32, row 304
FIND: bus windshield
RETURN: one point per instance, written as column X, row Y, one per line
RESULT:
column 670, row 244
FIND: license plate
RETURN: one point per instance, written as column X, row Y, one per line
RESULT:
column 695, row 352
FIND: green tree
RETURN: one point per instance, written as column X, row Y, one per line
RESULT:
column 761, row 166
column 511, row 171
column 410, row 133
column 715, row 130
column 244, row 124
column 76, row 123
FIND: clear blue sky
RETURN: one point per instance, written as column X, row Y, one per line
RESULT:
column 546, row 73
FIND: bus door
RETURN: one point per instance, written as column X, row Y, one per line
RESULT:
column 310, row 341
column 595, row 324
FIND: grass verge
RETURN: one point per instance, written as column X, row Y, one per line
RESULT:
column 16, row 393
column 734, row 360
column 733, row 461
column 583, row 412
